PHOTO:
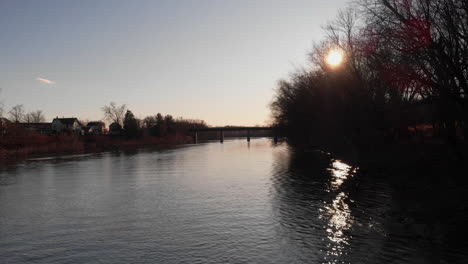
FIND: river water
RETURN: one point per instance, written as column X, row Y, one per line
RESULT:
column 207, row 203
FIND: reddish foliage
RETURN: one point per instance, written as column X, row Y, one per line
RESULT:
column 370, row 43
column 415, row 34
column 16, row 142
column 401, row 77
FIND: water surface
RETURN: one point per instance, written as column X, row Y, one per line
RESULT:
column 207, row 203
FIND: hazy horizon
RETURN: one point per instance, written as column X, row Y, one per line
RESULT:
column 209, row 60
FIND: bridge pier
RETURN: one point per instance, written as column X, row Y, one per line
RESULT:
column 221, row 136
column 195, row 137
column 248, row 135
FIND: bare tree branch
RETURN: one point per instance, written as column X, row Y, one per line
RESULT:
column 17, row 113
column 114, row 113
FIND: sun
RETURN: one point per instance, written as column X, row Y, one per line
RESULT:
column 334, row 57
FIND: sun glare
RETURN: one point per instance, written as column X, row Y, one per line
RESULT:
column 334, row 57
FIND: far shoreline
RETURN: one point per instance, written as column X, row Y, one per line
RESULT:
column 22, row 155
column 87, row 146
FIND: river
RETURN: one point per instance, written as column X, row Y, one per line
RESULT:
column 207, row 203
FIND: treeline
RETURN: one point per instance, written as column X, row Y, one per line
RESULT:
column 158, row 125
column 17, row 114
column 19, row 140
column 405, row 72
column 161, row 126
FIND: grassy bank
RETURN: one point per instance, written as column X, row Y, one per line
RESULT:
column 34, row 145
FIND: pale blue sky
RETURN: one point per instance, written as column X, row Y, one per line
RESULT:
column 213, row 60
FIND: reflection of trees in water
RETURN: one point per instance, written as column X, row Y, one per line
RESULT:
column 7, row 179
column 322, row 216
column 300, row 185
column 8, row 176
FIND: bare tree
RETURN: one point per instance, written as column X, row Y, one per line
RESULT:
column 114, row 113
column 1, row 106
column 427, row 43
column 17, row 113
column 27, row 118
column 35, row 117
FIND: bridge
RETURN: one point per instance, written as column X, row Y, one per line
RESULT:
column 221, row 131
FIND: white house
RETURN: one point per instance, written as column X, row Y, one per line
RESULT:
column 60, row 125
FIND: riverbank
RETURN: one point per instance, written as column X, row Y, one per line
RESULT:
column 72, row 144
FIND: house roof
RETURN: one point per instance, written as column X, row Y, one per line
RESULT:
column 4, row 120
column 67, row 121
column 35, row 125
column 96, row 123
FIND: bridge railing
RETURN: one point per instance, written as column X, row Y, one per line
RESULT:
column 221, row 131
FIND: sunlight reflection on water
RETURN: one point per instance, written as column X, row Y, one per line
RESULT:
column 338, row 212
column 207, row 203
column 339, row 221
column 340, row 171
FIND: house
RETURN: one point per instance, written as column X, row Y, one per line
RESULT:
column 4, row 121
column 95, row 128
column 41, row 128
column 3, row 125
column 60, row 125
column 115, row 129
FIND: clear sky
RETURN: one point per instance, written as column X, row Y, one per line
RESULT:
column 213, row 60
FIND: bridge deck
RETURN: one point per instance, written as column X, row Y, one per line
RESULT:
column 231, row 129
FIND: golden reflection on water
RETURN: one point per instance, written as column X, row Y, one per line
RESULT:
column 339, row 221
column 338, row 212
column 340, row 171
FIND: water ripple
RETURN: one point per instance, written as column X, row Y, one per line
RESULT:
column 209, row 203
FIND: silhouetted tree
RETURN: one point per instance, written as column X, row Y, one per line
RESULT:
column 149, row 121
column 182, row 125
column 404, row 65
column 114, row 113
column 427, row 41
column 130, row 124
column 161, row 125
column 35, row 117
column 169, row 121
column 17, row 113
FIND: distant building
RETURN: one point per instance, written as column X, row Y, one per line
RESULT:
column 115, row 129
column 95, row 128
column 60, row 125
column 3, row 125
column 4, row 121
column 42, row 128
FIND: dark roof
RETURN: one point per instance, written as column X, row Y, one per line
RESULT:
column 35, row 125
column 67, row 121
column 96, row 123
column 2, row 119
